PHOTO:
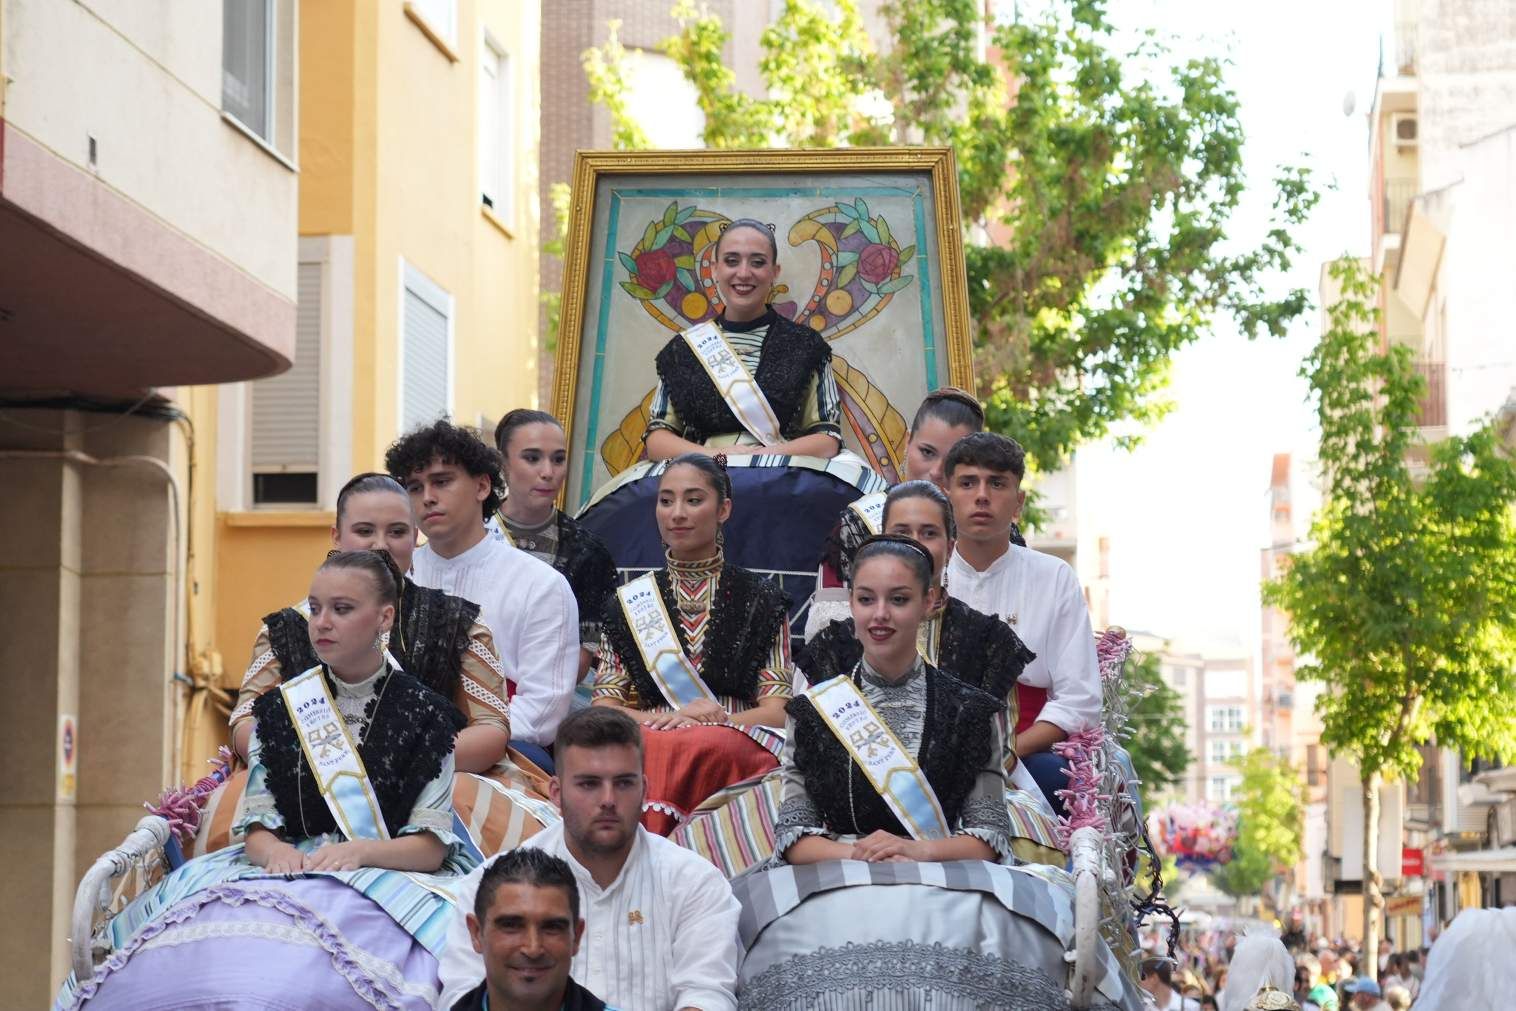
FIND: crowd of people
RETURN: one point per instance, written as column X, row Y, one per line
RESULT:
column 486, row 772
column 1467, row 968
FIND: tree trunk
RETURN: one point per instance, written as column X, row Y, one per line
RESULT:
column 1373, row 899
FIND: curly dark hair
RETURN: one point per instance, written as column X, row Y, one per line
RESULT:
column 442, row 440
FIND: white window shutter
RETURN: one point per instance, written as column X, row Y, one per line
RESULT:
column 286, row 408
column 425, row 387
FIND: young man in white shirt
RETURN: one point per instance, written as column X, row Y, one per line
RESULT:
column 1038, row 594
column 453, row 478
column 660, row 922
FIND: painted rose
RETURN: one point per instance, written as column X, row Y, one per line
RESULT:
column 877, row 262
column 655, row 268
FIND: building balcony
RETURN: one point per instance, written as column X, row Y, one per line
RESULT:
column 1396, row 203
column 99, row 296
column 1433, row 412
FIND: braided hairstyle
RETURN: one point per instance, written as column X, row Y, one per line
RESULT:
column 713, row 468
column 388, row 580
column 520, row 418
column 767, row 231
column 953, row 407
column 906, row 549
column 362, row 484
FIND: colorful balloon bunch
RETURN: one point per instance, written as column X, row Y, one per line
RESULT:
column 1198, row 836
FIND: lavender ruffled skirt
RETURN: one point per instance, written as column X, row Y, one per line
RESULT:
column 311, row 942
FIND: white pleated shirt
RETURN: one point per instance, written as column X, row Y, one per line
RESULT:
column 530, row 612
column 662, row 936
column 1042, row 592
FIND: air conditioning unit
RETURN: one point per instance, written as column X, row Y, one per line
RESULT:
column 1403, row 129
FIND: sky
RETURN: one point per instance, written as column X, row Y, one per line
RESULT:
column 1186, row 512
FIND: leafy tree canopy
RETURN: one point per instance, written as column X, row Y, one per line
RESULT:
column 1096, row 190
column 1158, row 723
column 1270, row 824
column 1406, row 601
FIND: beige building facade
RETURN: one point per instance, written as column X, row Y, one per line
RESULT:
column 147, row 240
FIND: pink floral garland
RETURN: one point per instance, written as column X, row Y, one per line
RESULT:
column 182, row 806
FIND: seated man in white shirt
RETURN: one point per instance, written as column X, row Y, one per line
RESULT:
column 660, row 922
column 453, row 478
column 1058, row 693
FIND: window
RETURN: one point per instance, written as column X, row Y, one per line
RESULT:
column 1224, row 719
column 286, row 411
column 1219, row 789
column 497, row 146
column 247, row 51
column 258, row 71
column 426, row 338
column 1224, row 752
column 442, row 15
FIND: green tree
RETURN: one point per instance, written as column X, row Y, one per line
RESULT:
column 1096, row 190
column 1158, row 723
column 1270, row 824
column 1406, row 600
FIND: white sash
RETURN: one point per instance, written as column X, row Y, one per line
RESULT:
column 890, row 769
column 733, row 381
column 870, row 509
column 333, row 758
column 661, row 653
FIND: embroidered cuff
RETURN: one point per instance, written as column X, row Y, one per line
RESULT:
column 258, row 810
column 788, row 836
column 658, row 424
column 996, row 840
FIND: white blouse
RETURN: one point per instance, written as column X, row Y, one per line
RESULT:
column 1039, row 595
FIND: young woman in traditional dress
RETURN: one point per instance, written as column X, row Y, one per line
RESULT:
column 698, row 652
column 536, row 463
column 436, row 638
column 978, row 649
column 790, row 363
column 759, row 388
column 340, row 892
column 734, row 827
column 894, row 762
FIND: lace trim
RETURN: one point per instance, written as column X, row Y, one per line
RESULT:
column 483, row 652
column 261, row 661
column 1000, row 842
column 429, row 820
column 920, row 973
column 479, row 693
column 370, row 989
column 285, row 933
column 242, row 712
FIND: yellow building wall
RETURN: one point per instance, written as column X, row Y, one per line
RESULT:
column 389, row 135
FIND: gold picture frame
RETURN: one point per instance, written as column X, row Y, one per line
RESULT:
column 896, row 309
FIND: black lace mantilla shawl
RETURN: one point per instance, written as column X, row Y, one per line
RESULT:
column 957, row 741
column 978, row 649
column 792, row 355
column 431, row 638
column 747, row 614
column 583, row 560
column 410, row 733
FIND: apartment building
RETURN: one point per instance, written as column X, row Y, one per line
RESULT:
column 147, row 246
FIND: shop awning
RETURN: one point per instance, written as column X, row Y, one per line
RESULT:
column 1501, row 861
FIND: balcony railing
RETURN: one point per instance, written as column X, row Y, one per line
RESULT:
column 1434, row 402
column 1398, row 194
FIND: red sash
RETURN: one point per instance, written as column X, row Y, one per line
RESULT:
column 1029, row 702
